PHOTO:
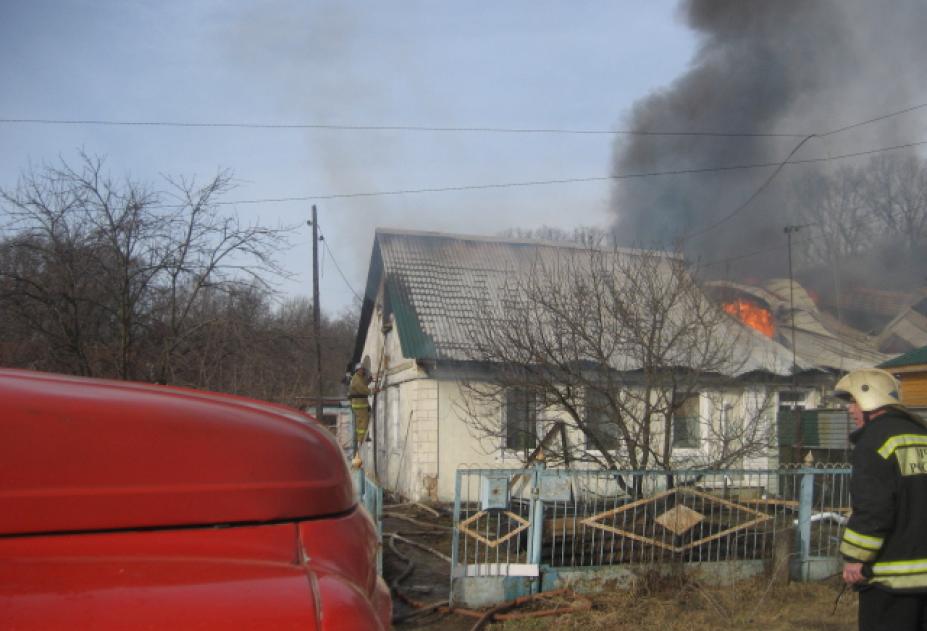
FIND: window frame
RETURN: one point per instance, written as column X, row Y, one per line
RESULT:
column 532, row 419
column 693, row 423
column 615, row 443
column 793, row 399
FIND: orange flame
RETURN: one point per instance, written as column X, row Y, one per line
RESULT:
column 752, row 315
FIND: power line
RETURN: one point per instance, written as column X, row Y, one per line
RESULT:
column 426, row 128
column 575, row 180
column 391, row 128
column 755, row 194
column 873, row 120
column 338, row 267
column 782, row 164
column 502, row 185
column 530, row 183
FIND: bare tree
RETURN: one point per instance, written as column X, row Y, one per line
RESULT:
column 49, row 296
column 836, row 207
column 110, row 268
column 204, row 248
column 896, row 192
column 617, row 359
column 247, row 347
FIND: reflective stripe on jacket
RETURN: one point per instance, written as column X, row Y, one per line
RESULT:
column 888, row 526
column 359, row 391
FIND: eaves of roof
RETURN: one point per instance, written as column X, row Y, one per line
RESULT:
column 917, row 356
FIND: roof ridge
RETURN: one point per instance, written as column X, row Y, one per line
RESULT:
column 401, row 232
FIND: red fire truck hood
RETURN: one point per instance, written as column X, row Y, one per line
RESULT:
column 84, row 454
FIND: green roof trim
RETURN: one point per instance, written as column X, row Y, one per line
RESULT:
column 415, row 343
column 911, row 358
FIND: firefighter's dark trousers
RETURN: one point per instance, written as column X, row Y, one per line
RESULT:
column 880, row 610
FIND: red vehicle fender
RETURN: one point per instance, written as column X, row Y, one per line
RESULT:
column 342, row 553
column 317, row 575
column 242, row 578
column 344, row 607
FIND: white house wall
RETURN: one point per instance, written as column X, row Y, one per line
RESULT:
column 457, row 444
column 424, row 437
column 414, row 459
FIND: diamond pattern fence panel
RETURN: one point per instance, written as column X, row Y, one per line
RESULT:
column 513, row 522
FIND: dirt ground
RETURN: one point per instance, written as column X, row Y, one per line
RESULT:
column 747, row 605
column 654, row 604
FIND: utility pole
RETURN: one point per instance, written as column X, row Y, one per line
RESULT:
column 316, row 309
column 789, row 231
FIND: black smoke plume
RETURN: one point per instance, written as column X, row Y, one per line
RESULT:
column 766, row 67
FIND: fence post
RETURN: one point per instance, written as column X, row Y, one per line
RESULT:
column 536, row 522
column 455, row 537
column 379, row 519
column 357, row 477
column 805, row 504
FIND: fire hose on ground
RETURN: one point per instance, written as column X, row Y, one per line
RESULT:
column 497, row 613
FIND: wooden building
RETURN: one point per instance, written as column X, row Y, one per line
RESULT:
column 911, row 371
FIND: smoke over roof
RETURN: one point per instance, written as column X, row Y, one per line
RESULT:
column 782, row 67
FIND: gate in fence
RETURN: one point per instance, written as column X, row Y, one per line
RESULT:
column 518, row 531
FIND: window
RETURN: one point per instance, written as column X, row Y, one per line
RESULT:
column 600, row 421
column 686, row 424
column 792, row 399
column 521, row 416
column 727, row 420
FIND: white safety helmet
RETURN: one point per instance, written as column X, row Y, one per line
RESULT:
column 870, row 388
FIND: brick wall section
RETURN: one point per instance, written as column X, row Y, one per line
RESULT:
column 424, row 438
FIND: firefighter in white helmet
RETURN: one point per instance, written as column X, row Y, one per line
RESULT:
column 885, row 542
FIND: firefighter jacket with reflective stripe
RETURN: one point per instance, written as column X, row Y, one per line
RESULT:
column 888, row 526
column 359, row 392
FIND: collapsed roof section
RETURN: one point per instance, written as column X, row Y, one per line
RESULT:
column 908, row 330
column 820, row 340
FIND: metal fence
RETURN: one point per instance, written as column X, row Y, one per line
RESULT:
column 523, row 522
column 370, row 496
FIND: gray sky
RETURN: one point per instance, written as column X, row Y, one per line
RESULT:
column 537, row 64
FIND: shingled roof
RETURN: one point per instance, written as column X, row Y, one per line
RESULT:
column 437, row 286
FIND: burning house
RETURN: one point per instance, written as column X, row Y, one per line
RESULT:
column 428, row 296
